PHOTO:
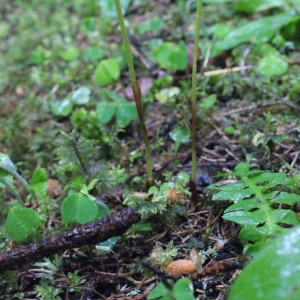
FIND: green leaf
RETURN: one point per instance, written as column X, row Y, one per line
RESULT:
column 255, row 6
column 141, row 227
column 229, row 130
column 274, row 272
column 263, row 50
column 253, row 202
column 244, row 218
column 61, row 108
column 171, row 56
column 272, row 65
column 93, row 53
column 81, row 96
column 79, row 208
column 71, row 54
column 253, row 249
column 159, row 291
column 6, row 166
column 126, row 113
column 103, row 209
column 90, row 23
column 107, row 72
column 167, row 95
column 183, row 289
column 285, row 216
column 208, row 102
column 258, row 31
column 274, row 178
column 255, row 234
column 183, row 178
column 242, row 168
column 105, row 111
column 180, row 135
column 152, row 190
column 235, row 193
column 166, row 186
column 154, row 25
column 104, row 247
column 290, row 32
column 179, row 57
column 246, row 205
column 37, row 56
column 221, row 30
column 39, row 181
column 21, row 222
column 286, row 198
column 108, row 8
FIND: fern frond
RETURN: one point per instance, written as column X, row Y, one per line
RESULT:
column 254, row 193
column 74, row 147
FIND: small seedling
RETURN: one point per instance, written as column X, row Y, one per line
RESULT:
column 46, row 291
column 182, row 289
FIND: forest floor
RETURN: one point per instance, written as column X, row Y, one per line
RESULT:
column 50, row 51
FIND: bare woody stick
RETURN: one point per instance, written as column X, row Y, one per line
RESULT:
column 90, row 233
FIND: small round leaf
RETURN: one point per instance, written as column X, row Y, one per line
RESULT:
column 126, row 112
column 180, row 135
column 21, row 222
column 81, row 95
column 71, row 54
column 61, row 108
column 93, row 53
column 272, row 65
column 105, row 111
column 79, row 208
column 107, row 72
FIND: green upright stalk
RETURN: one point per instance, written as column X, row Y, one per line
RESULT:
column 194, row 82
column 136, row 91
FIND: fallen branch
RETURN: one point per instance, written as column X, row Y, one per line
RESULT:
column 87, row 234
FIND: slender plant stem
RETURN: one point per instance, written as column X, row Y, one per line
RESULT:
column 194, row 83
column 136, row 91
column 25, row 184
column 21, row 179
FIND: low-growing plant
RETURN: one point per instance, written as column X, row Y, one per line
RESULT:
column 64, row 107
column 261, row 206
column 79, row 206
column 47, row 291
column 22, row 221
column 273, row 273
column 171, row 56
column 182, row 289
column 168, row 193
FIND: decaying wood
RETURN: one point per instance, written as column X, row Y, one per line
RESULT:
column 87, row 234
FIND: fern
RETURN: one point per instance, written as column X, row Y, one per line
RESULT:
column 74, row 147
column 258, row 197
column 146, row 208
column 45, row 291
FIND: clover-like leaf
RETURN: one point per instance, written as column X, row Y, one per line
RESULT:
column 79, row 208
column 21, row 222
